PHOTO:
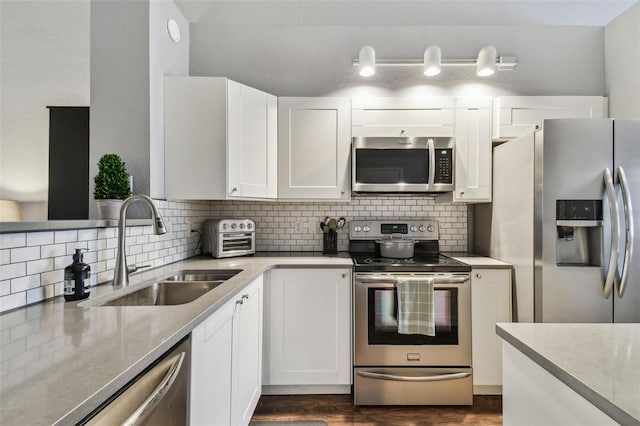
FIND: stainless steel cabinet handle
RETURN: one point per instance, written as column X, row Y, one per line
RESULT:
column 436, row 378
column 615, row 230
column 147, row 407
column 239, row 301
column 245, row 297
column 432, row 163
column 629, row 230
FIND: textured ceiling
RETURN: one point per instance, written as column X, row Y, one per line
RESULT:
column 404, row 12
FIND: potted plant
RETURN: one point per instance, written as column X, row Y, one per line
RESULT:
column 111, row 186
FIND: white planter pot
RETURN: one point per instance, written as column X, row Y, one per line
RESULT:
column 109, row 209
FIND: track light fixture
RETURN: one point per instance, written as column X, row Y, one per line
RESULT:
column 486, row 63
column 367, row 61
column 432, row 61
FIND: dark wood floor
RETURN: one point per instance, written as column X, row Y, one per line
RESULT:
column 339, row 410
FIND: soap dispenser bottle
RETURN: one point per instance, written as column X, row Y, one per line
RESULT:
column 76, row 279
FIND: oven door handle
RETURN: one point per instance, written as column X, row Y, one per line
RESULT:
column 436, row 280
column 436, row 378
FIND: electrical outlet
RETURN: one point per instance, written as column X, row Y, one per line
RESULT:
column 298, row 227
column 314, row 226
column 189, row 227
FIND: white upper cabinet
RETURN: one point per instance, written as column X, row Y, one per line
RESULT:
column 313, row 148
column 399, row 117
column 473, row 150
column 517, row 115
column 220, row 140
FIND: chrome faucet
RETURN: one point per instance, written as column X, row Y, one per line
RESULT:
column 121, row 273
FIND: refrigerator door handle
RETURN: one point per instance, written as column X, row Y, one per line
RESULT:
column 629, row 230
column 615, row 231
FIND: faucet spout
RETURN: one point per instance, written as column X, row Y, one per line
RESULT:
column 121, row 272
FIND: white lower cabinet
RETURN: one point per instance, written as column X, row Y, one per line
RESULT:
column 226, row 361
column 308, row 331
column 490, row 303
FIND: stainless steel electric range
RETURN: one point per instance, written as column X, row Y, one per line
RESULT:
column 409, row 369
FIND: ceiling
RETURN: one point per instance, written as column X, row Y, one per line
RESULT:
column 405, row 12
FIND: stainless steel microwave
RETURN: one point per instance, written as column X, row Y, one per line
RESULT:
column 402, row 165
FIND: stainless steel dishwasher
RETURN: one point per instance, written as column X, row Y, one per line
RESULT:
column 158, row 396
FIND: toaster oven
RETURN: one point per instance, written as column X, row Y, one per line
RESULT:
column 228, row 237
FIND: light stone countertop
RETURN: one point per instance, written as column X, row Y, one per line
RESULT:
column 601, row 362
column 482, row 262
column 60, row 360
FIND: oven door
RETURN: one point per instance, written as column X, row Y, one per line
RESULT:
column 377, row 341
column 402, row 165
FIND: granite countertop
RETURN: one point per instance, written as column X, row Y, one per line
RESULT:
column 601, row 362
column 60, row 360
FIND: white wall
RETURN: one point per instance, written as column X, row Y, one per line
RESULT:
column 44, row 61
column 131, row 52
column 316, row 60
column 166, row 57
column 622, row 54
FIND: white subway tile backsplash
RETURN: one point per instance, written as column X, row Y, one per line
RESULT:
column 13, row 240
column 23, row 254
column 39, row 238
column 12, row 301
column 275, row 231
column 65, row 236
column 5, row 256
column 53, row 250
column 25, row 283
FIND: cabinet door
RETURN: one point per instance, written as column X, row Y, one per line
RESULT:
column 195, row 122
column 309, row 330
column 517, row 115
column 210, row 394
column 246, row 353
column 251, row 142
column 314, row 138
column 473, row 151
column 393, row 117
column 490, row 303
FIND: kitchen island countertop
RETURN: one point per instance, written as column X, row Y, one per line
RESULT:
column 600, row 362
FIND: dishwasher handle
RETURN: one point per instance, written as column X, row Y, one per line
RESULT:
column 149, row 405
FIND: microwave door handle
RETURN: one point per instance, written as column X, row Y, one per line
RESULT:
column 432, row 164
column 615, row 230
column 629, row 230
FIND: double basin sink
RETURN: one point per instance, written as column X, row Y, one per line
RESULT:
column 177, row 289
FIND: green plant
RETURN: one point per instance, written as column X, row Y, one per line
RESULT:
column 112, row 180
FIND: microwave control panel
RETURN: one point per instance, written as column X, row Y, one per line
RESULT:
column 444, row 165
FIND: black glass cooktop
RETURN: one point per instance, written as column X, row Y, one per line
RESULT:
column 366, row 258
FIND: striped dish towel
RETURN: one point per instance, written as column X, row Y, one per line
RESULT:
column 416, row 314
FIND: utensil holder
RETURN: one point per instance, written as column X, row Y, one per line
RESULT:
column 330, row 242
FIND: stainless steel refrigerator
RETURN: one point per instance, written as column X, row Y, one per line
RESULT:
column 563, row 215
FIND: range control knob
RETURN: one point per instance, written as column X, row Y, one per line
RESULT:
column 234, row 225
column 242, row 226
column 225, row 225
column 413, row 228
column 357, row 228
column 430, row 228
column 421, row 228
column 249, row 225
column 366, row 228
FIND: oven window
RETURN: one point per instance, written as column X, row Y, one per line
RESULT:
column 390, row 166
column 383, row 318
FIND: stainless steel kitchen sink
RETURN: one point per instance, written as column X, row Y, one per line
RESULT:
column 164, row 293
column 182, row 287
column 203, row 275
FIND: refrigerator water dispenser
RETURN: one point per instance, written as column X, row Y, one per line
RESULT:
column 579, row 233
